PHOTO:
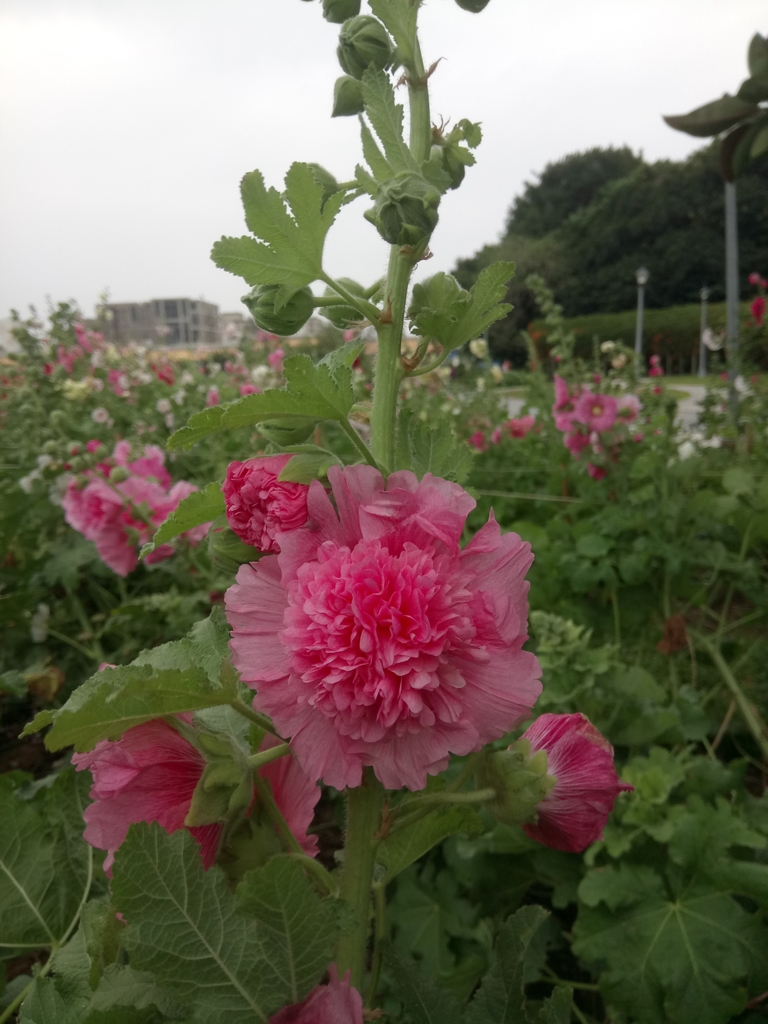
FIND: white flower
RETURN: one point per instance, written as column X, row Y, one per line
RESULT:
column 480, row 384
column 27, row 483
column 38, row 629
column 163, row 405
column 619, row 361
column 456, row 362
column 479, row 348
column 97, row 358
column 179, row 396
column 97, row 384
column 260, row 373
column 497, row 373
column 43, row 461
column 169, row 420
column 58, row 488
column 686, row 450
column 123, row 381
column 100, row 415
column 144, row 377
column 713, row 442
column 187, row 378
column 608, row 346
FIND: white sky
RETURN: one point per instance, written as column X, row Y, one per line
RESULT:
column 126, row 125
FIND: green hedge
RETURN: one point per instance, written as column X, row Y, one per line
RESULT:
column 673, row 332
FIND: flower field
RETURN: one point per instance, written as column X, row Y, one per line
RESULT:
column 340, row 685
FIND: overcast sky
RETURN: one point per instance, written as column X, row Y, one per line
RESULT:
column 126, row 125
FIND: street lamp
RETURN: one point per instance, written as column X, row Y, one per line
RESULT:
column 641, row 276
column 703, row 295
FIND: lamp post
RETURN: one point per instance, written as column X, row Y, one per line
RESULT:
column 732, row 297
column 642, row 276
column 703, row 295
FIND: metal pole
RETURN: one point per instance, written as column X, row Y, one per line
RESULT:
column 732, row 297
column 704, row 293
column 639, row 327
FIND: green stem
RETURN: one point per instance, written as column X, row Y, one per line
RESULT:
column 752, row 721
column 366, row 309
column 73, row 643
column 264, row 790
column 315, row 868
column 418, row 95
column 616, row 616
column 265, row 756
column 86, row 623
column 379, row 934
column 363, row 821
column 358, row 442
column 389, row 370
column 419, row 808
column 253, row 716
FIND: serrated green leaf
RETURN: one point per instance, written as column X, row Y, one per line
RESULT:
column 386, row 117
column 401, row 849
column 713, row 118
column 291, row 239
column 200, row 425
column 557, row 1009
column 430, row 448
column 44, row 1005
column 297, row 926
column 373, row 156
column 197, row 508
column 464, row 320
column 501, row 997
column 399, row 18
column 670, row 959
column 304, row 468
column 126, row 987
column 424, row 1001
column 183, row 928
column 45, row 865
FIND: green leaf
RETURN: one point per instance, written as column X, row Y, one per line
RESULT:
column 386, row 117
column 298, row 927
column 424, row 1001
column 44, row 1005
column 669, row 959
column 470, row 314
column 430, row 448
column 399, row 18
column 557, row 1009
column 185, row 930
column 197, row 508
column 308, row 466
column 126, row 987
column 593, row 546
column 757, row 57
column 738, row 481
column 290, row 250
column 402, row 848
column 501, row 997
column 200, row 425
column 713, row 118
column 45, row 865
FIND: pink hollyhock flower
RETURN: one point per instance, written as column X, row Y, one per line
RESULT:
column 258, row 506
column 655, row 371
column 248, row 389
column 573, row 814
column 628, row 408
column 596, row 472
column 496, row 436
column 118, row 382
column 275, row 360
column 637, row 438
column 164, row 373
column 213, row 397
column 520, row 427
column 350, row 335
column 757, row 309
column 334, row 1003
column 563, row 409
column 596, row 412
column 596, row 378
column 758, row 281
column 93, row 445
column 477, row 440
column 657, row 390
column 150, row 774
column 151, row 465
column 576, row 441
column 655, row 360
column 374, row 639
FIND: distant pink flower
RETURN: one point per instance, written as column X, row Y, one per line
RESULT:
column 334, row 1003
column 576, row 441
column 373, row 639
column 596, row 378
column 595, row 411
column 213, row 397
column 150, row 465
column 520, row 427
column 68, row 357
column 574, row 812
column 596, row 472
column 637, row 438
column 150, row 774
column 350, row 335
column 477, row 440
column 248, row 389
column 655, row 360
column 565, row 404
column 657, row 390
column 118, row 382
column 275, row 360
column 496, row 436
column 628, row 408
column 758, row 281
column 93, row 445
column 258, row 506
column 655, row 371
column 83, row 338
column 757, row 309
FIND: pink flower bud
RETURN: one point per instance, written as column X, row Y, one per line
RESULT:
column 580, row 759
column 334, row 1003
column 259, row 508
column 596, row 472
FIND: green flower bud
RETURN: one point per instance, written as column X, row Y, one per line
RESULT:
column 520, row 780
column 347, row 97
column 289, row 431
column 363, row 41
column 51, row 447
column 289, row 318
column 118, row 474
column 338, row 11
column 78, row 463
column 475, row 6
column 327, row 180
column 227, row 551
column 343, row 316
column 57, row 419
column 406, row 210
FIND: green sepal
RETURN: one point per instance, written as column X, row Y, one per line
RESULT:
column 520, row 780
column 227, row 551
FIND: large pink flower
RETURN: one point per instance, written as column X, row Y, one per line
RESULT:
column 373, row 639
column 595, row 411
column 574, row 812
column 258, row 506
column 150, row 774
column 334, row 1003
column 628, row 408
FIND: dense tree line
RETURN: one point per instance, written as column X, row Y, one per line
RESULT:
column 591, row 219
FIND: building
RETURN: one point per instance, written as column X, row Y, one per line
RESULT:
column 174, row 322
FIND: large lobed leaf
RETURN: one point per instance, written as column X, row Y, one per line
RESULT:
column 468, row 314
column 184, row 927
